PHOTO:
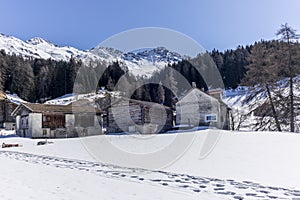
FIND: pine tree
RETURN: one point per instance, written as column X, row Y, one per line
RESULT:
column 43, row 72
column 23, row 80
column 3, row 66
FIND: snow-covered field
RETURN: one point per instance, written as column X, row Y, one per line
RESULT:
column 242, row 165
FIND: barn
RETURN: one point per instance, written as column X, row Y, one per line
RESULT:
column 129, row 115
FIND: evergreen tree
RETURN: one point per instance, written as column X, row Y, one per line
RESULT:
column 3, row 67
column 43, row 72
column 22, row 79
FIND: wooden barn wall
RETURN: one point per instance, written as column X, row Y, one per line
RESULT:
column 119, row 121
column 139, row 115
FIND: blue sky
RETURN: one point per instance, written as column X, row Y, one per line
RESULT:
column 84, row 24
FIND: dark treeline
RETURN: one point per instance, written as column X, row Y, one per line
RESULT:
column 232, row 64
column 166, row 85
column 37, row 80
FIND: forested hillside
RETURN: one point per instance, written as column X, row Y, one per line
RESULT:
column 38, row 79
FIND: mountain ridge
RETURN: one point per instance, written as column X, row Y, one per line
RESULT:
column 140, row 63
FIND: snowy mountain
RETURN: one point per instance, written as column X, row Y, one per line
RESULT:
column 139, row 63
column 41, row 48
column 159, row 54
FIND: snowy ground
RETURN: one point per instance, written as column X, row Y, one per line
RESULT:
column 241, row 166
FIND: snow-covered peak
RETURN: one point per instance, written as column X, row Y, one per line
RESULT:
column 43, row 49
column 106, row 52
column 39, row 41
column 159, row 54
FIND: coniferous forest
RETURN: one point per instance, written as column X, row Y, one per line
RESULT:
column 37, row 80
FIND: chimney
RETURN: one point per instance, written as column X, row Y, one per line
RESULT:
column 194, row 84
column 216, row 93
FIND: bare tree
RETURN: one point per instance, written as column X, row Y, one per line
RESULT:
column 261, row 76
column 289, row 52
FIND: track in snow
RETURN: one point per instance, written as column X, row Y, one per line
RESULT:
column 230, row 189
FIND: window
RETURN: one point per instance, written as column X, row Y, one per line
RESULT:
column 211, row 118
column 44, row 132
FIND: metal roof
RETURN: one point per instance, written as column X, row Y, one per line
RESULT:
column 63, row 109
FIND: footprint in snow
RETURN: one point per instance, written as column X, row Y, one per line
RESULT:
column 227, row 188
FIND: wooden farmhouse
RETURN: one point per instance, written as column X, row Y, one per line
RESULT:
column 129, row 115
column 7, row 121
column 198, row 108
column 56, row 121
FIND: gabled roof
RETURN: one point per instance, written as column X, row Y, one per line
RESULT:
column 55, row 109
column 43, row 108
column 146, row 103
column 196, row 91
column 218, row 90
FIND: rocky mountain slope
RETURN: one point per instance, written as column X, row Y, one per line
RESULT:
column 139, row 63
